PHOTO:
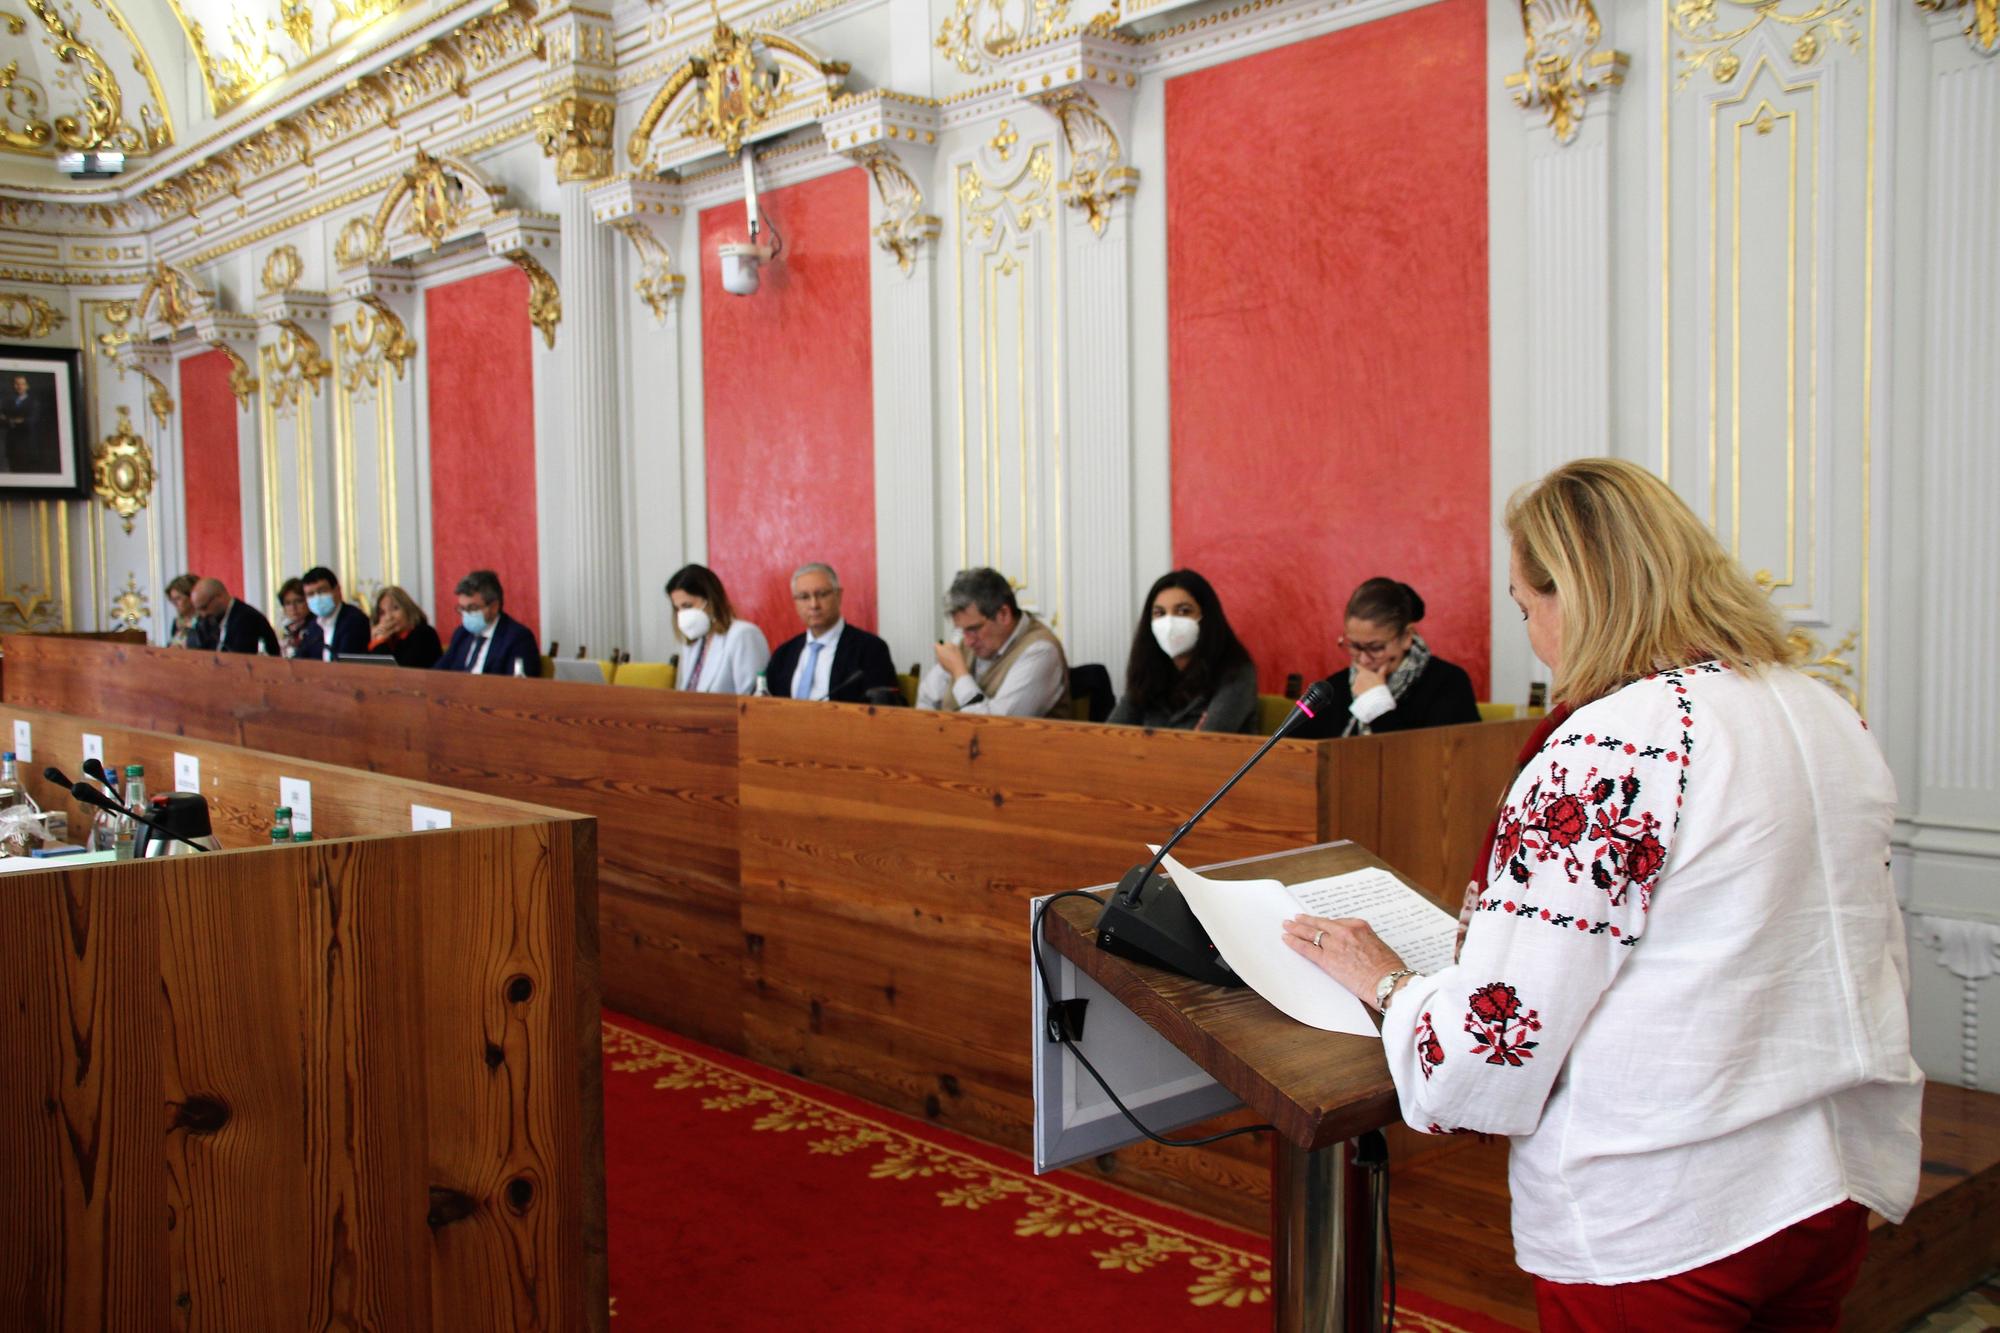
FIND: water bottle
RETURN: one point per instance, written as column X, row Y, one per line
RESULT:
column 12, row 793
column 520, row 667
column 135, row 799
column 763, row 690
column 103, row 824
column 281, row 825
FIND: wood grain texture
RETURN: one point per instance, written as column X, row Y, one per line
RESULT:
column 378, row 1059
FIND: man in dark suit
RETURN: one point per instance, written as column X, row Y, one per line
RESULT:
column 832, row 659
column 488, row 640
column 31, row 445
column 334, row 624
column 223, row 624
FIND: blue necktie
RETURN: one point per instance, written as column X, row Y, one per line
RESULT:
column 812, row 669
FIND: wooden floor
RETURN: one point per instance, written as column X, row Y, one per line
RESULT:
column 1449, row 1216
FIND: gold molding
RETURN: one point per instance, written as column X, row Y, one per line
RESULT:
column 232, row 74
column 1011, row 27
column 1712, row 42
column 544, row 297
column 129, row 608
column 1562, row 66
column 737, row 91
column 25, row 315
column 658, row 285
column 294, row 366
column 905, row 226
column 241, row 382
column 375, row 338
column 158, row 400
column 122, row 470
column 576, row 132
column 1095, row 180
column 1982, row 21
column 440, row 195
column 172, row 297
column 282, row 269
column 102, row 122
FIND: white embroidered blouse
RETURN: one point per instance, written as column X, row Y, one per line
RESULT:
column 1683, row 993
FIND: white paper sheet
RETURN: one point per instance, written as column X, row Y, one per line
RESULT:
column 1245, row 918
column 1411, row 924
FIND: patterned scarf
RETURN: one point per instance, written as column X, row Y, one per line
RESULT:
column 1400, row 679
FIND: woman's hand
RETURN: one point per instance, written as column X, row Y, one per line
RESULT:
column 1349, row 951
column 1366, row 680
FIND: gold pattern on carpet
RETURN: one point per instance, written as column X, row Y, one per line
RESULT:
column 1222, row 1275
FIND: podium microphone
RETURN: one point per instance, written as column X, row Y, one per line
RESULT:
column 90, row 795
column 853, row 679
column 94, row 768
column 1146, row 918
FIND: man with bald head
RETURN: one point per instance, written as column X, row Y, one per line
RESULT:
column 226, row 625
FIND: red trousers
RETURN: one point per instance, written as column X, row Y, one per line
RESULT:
column 1795, row 1279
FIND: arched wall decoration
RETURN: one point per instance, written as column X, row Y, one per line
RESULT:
column 170, row 299
column 738, row 88
column 122, row 470
column 437, row 199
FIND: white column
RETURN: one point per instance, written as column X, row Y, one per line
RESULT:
column 1568, row 315
column 907, row 580
column 1097, row 338
column 582, row 501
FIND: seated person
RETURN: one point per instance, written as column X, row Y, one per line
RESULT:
column 1187, row 671
column 226, row 625
column 181, row 630
column 1008, row 663
column 488, row 640
column 724, row 655
column 403, row 631
column 336, row 627
column 293, row 616
column 1393, row 684
column 832, row 659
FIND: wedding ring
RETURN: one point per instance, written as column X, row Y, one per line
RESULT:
column 1316, row 937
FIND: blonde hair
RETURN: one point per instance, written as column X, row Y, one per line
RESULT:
column 412, row 613
column 1644, row 584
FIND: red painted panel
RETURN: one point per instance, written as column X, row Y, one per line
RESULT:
column 1326, row 262
column 480, row 364
column 789, row 391
column 213, row 482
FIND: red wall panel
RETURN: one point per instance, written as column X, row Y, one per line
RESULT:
column 1327, row 298
column 790, row 404
column 480, row 364
column 213, row 482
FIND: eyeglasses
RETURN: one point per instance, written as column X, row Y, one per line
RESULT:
column 1362, row 649
column 816, row 595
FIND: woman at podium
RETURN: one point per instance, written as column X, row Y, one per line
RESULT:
column 1681, row 991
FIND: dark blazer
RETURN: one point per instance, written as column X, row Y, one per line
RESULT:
column 419, row 648
column 1440, row 697
column 511, row 643
column 242, row 628
column 858, row 650
column 350, row 634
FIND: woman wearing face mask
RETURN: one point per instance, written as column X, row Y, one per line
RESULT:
column 293, row 616
column 723, row 654
column 1187, row 670
column 403, row 631
column 1393, row 683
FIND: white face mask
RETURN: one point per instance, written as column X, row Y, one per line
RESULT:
column 1176, row 634
column 693, row 621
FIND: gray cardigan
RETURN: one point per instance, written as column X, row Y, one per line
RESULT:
column 1233, row 707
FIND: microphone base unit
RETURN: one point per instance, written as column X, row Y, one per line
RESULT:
column 1160, row 929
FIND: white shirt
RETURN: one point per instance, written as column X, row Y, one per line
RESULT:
column 729, row 662
column 821, row 684
column 1683, row 992
column 1030, row 689
column 1372, row 702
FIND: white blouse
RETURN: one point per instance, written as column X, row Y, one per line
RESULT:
column 730, row 663
column 1683, row 994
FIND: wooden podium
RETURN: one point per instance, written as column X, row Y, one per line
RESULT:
column 1322, row 1090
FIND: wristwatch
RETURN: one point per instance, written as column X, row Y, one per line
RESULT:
column 1386, row 987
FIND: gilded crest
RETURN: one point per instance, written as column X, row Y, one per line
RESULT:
column 122, row 470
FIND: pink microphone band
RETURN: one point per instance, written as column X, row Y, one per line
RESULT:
column 1307, row 711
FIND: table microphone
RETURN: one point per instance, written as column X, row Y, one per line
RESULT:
column 57, row 776
column 90, row 795
column 94, row 767
column 1146, row 917
column 847, row 684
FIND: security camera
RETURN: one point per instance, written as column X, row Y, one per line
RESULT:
column 739, row 267
column 91, row 166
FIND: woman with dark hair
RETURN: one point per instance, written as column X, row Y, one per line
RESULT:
column 724, row 655
column 1392, row 682
column 1187, row 670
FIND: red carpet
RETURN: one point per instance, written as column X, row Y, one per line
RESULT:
column 740, row 1198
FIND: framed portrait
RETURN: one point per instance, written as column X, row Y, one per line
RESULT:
column 44, row 452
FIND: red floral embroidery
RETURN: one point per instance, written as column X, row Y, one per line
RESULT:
column 1554, row 824
column 1499, row 1025
column 1430, row 1051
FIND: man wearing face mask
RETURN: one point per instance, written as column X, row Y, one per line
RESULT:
column 334, row 625
column 832, row 659
column 488, row 641
column 1007, row 662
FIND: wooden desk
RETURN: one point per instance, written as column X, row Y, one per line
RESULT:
column 378, row 1058
column 832, row 889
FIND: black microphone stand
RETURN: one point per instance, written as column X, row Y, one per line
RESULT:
column 1147, row 919
column 90, row 795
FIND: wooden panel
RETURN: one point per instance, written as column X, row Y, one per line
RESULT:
column 379, row 1066
column 1439, row 792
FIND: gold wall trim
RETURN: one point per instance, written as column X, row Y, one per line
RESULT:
column 25, row 315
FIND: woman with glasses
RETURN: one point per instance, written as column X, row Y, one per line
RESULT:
column 723, row 655
column 1392, row 682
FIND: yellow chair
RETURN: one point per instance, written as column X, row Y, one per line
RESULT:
column 909, row 685
column 1271, row 710
column 548, row 667
column 1493, row 712
column 644, row 675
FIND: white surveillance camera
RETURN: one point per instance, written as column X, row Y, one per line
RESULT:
column 739, row 267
